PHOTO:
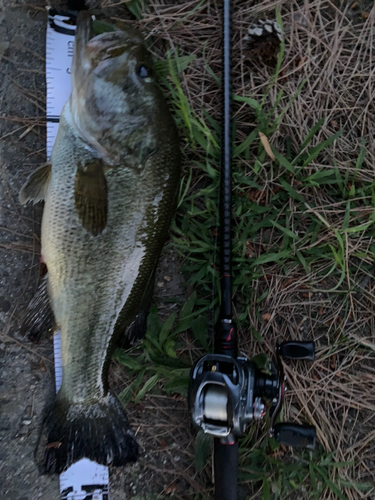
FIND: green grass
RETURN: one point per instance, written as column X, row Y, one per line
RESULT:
column 276, row 223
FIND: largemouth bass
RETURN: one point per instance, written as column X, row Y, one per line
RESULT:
column 110, row 192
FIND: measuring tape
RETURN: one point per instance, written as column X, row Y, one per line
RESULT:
column 84, row 480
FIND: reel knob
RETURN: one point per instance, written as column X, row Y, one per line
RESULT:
column 295, row 435
column 297, row 350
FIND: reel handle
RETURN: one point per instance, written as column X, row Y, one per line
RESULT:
column 295, row 435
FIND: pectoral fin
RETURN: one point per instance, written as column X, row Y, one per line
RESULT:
column 35, row 188
column 90, row 196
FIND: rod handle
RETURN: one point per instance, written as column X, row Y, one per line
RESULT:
column 226, row 470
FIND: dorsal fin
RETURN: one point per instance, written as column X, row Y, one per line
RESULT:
column 35, row 188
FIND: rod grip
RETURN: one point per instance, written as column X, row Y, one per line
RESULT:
column 226, row 470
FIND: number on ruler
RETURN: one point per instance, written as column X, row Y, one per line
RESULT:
column 87, row 492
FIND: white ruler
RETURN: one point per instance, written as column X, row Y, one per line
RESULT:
column 84, row 480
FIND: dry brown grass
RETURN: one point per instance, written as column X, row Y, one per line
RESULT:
column 331, row 46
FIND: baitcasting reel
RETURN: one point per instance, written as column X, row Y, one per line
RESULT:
column 226, row 394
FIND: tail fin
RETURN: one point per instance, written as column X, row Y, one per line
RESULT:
column 99, row 432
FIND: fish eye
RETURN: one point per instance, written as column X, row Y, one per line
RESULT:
column 143, row 72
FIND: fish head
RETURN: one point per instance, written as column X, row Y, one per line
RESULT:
column 116, row 105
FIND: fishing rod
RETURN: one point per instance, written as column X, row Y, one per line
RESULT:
column 227, row 392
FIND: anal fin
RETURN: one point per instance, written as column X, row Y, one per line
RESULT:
column 90, row 197
column 39, row 320
column 36, row 186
